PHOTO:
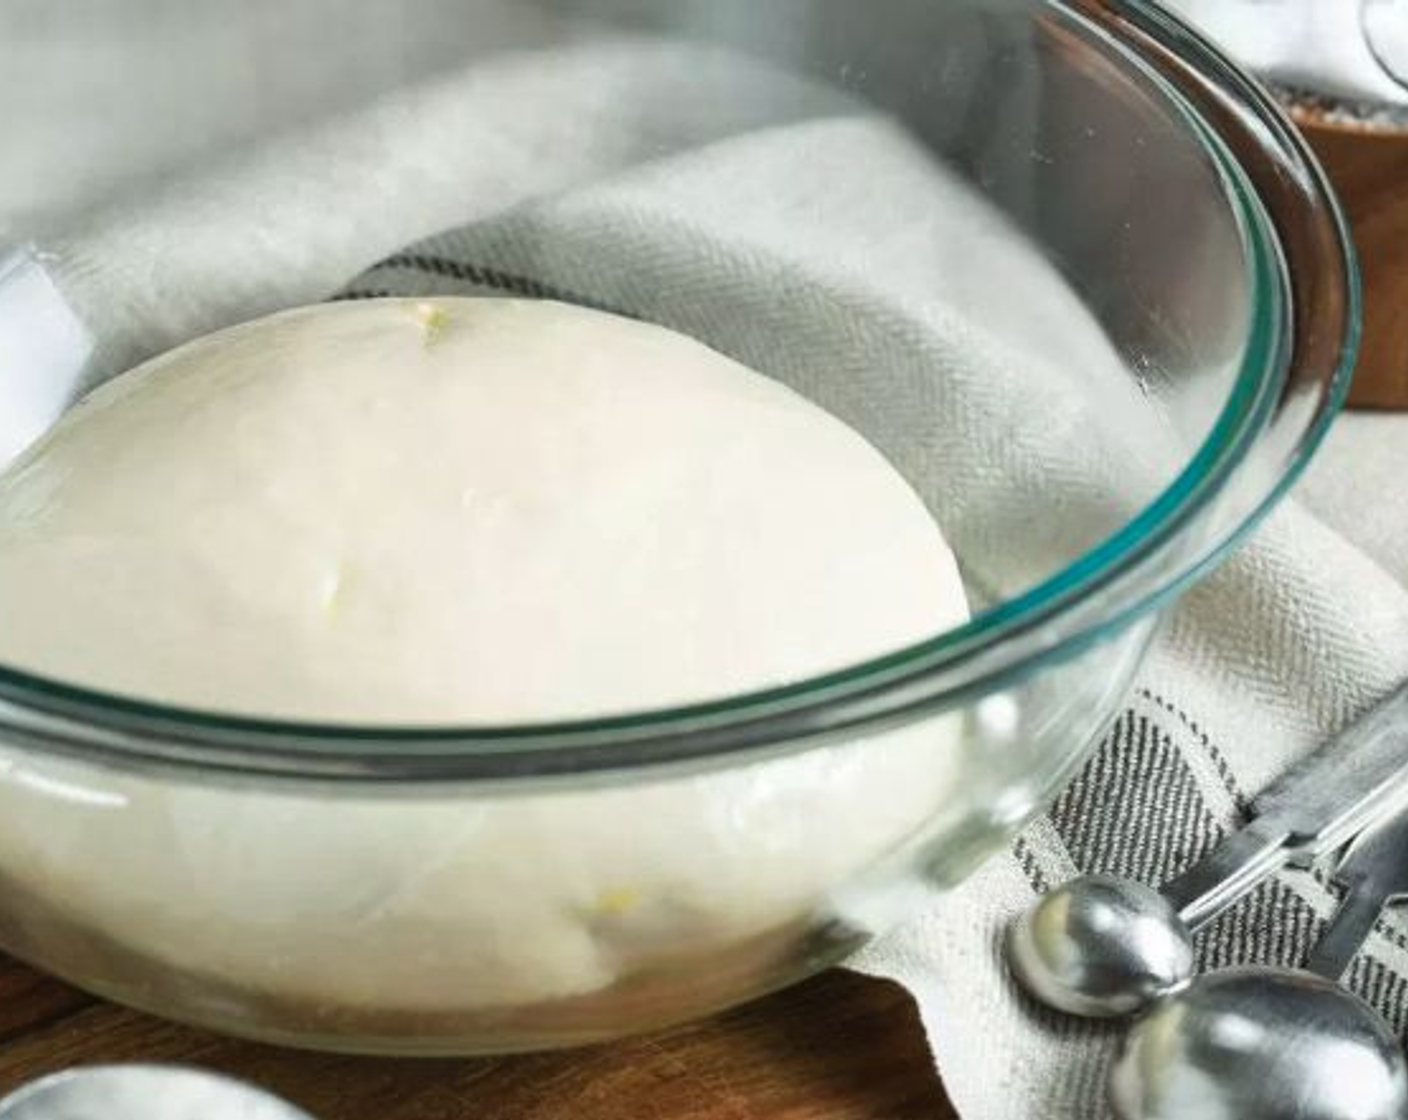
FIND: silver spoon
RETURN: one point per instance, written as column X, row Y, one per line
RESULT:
column 1274, row 1043
column 1102, row 946
column 143, row 1092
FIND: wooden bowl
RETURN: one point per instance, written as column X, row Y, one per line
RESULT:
column 1368, row 164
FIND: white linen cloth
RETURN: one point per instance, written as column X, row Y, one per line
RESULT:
column 1288, row 641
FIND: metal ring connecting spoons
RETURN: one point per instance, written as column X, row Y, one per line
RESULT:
column 1275, row 1043
column 1102, row 946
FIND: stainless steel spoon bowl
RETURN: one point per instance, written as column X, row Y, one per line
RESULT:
column 1272, row 1044
column 1101, row 946
column 1260, row 1044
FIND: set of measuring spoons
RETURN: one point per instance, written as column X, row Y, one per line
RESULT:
column 1251, row 1043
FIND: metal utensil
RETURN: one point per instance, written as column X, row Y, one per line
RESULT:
column 1278, row 1044
column 143, row 1092
column 1252, row 1044
column 1103, row 946
column 1374, row 873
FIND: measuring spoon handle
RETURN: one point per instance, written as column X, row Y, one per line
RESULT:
column 1351, row 926
column 1353, row 781
column 1374, row 871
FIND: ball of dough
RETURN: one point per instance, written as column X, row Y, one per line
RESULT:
column 466, row 510
column 463, row 511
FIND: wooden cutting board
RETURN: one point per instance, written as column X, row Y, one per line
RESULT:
column 840, row 1047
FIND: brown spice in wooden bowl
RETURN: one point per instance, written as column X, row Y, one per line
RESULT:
column 1365, row 151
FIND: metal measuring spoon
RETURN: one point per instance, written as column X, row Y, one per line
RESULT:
column 143, row 1092
column 1102, row 946
column 1274, row 1043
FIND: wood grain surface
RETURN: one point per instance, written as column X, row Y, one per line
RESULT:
column 840, row 1047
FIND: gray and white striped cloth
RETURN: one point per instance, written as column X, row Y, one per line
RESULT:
column 1290, row 640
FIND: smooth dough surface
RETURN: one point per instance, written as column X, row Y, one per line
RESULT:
column 478, row 511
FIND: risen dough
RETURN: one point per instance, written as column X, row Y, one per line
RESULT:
column 472, row 511
column 477, row 511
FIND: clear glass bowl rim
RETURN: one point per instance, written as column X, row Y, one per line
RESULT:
column 1005, row 643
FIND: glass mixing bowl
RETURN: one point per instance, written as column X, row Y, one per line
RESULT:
column 479, row 889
